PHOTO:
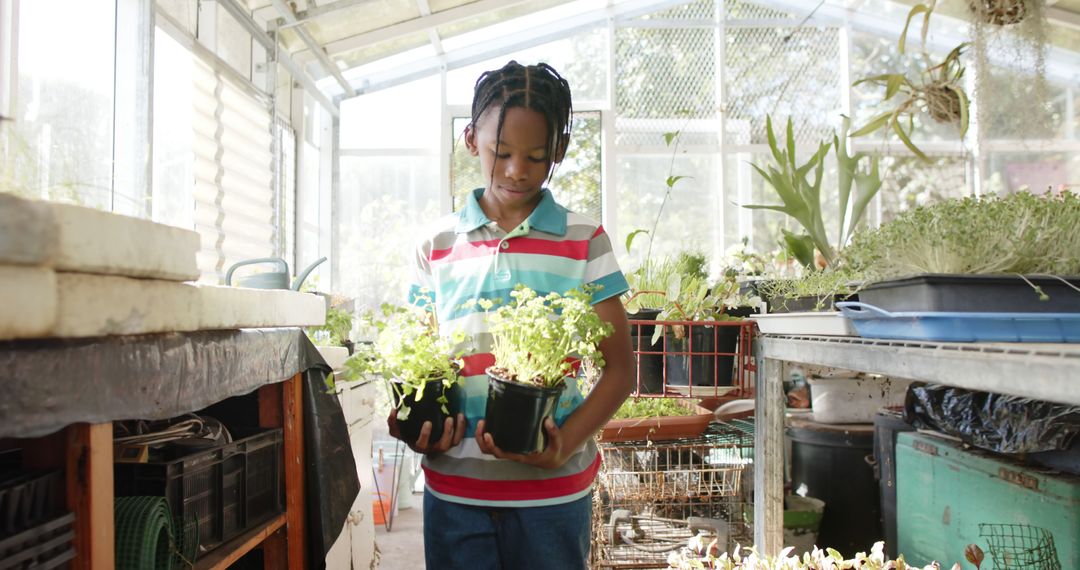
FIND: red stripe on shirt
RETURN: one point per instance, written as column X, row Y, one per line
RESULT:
column 570, row 249
column 599, row 230
column 517, row 490
column 476, row 364
column 465, row 250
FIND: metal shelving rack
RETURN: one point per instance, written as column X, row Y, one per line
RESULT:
column 1041, row 371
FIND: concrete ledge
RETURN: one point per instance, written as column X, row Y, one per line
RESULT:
column 239, row 307
column 101, row 305
column 28, row 299
column 28, row 233
column 92, row 241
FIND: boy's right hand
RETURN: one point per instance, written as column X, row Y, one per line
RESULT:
column 453, row 432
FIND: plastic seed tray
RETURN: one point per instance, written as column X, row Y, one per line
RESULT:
column 872, row 322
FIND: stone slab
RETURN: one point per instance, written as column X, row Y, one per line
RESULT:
column 27, row 231
column 92, row 241
column 103, row 305
column 28, row 301
column 240, row 307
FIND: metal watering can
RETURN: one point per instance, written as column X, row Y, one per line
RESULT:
column 270, row 279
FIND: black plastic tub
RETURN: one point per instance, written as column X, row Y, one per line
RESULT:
column 699, row 364
column 831, row 460
column 649, row 376
column 515, row 414
column 428, row 409
column 939, row 292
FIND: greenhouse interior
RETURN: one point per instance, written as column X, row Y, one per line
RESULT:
column 604, row 284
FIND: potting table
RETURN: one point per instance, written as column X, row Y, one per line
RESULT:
column 1039, row 371
column 58, row 399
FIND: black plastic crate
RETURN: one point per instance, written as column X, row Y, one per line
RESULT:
column 227, row 489
column 47, row 545
column 938, row 292
column 28, row 498
column 263, row 486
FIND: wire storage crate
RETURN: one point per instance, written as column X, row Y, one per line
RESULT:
column 652, row 497
column 698, row 359
column 1015, row 546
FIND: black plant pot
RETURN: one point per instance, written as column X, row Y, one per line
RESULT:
column 515, row 414
column 649, row 376
column 699, row 363
column 428, row 409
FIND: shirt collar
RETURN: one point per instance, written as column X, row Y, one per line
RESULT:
column 549, row 216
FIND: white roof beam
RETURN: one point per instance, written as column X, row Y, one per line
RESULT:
column 324, row 60
column 433, row 34
column 408, row 27
column 535, row 36
column 241, row 15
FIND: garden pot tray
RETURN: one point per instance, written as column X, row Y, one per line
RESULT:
column 660, row 428
column 872, row 322
column 973, row 293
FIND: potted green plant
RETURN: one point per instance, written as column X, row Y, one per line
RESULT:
column 537, row 342
column 421, row 367
column 1016, row 253
column 650, row 284
column 700, row 354
column 656, row 419
column 938, row 91
column 800, row 195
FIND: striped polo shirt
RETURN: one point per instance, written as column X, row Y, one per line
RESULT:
column 466, row 256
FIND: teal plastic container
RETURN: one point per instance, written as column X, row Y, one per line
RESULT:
column 944, row 492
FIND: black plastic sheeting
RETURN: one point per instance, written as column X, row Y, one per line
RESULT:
column 1003, row 424
column 330, row 474
column 46, row 385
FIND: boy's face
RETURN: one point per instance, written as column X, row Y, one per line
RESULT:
column 514, row 169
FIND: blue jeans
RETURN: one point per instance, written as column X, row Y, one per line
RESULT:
column 465, row 537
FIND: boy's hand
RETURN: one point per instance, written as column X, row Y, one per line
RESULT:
column 550, row 458
column 451, row 436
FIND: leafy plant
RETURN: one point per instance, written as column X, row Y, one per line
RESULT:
column 335, row 332
column 409, row 352
column 1019, row 233
column 537, row 339
column 671, row 139
column 823, row 285
column 800, row 195
column 652, row 408
column 654, row 282
column 938, row 91
column 699, row 555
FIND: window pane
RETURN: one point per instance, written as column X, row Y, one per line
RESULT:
column 174, row 155
column 382, row 208
column 60, row 145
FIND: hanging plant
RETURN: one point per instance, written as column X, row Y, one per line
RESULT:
column 938, row 90
column 1000, row 12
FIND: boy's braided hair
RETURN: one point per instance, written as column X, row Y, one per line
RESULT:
column 535, row 87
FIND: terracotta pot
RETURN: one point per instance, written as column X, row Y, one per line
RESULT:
column 660, row 428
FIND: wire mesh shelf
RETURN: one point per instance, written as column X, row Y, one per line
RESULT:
column 693, row 359
column 652, row 497
column 1015, row 546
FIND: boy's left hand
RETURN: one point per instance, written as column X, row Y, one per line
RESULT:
column 550, row 458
